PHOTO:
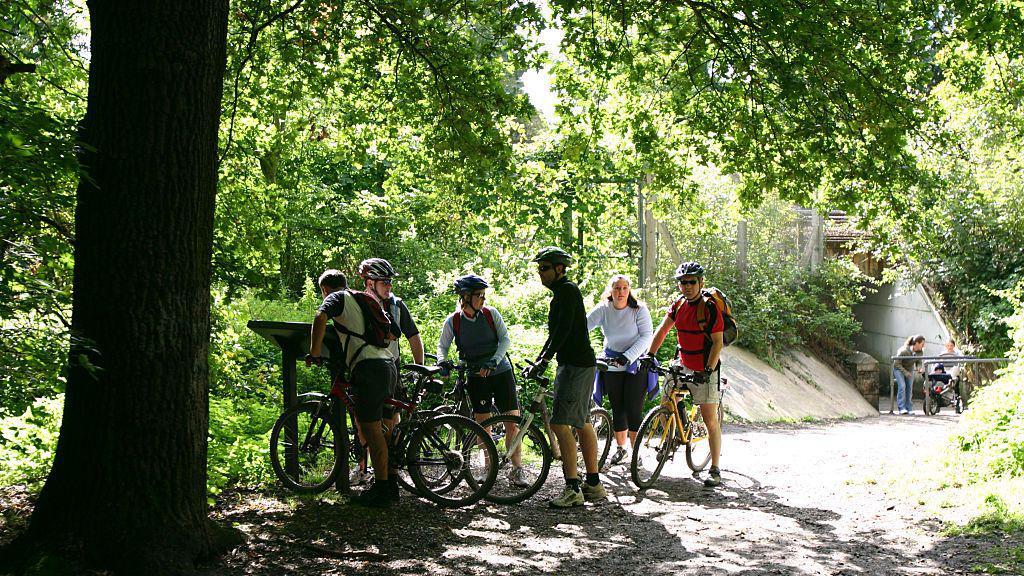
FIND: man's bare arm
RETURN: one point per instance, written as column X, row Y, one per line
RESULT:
column 316, row 334
column 659, row 335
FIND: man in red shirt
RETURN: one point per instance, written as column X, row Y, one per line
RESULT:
column 700, row 346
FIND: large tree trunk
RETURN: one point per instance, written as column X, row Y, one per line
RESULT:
column 128, row 486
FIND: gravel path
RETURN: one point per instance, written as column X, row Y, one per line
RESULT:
column 797, row 499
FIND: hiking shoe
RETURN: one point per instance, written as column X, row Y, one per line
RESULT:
column 359, row 477
column 619, row 456
column 594, row 493
column 393, row 489
column 378, row 495
column 567, row 499
column 517, row 477
column 714, row 478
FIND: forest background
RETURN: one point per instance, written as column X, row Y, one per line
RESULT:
column 401, row 130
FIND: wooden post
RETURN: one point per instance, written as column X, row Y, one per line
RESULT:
column 289, row 378
column 641, row 279
column 817, row 247
column 650, row 246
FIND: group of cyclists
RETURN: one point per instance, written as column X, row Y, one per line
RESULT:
column 482, row 341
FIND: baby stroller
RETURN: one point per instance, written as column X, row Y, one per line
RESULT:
column 941, row 391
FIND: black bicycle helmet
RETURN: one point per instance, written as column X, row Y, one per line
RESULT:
column 376, row 269
column 552, row 254
column 470, row 283
column 689, row 269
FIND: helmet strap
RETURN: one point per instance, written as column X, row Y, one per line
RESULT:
column 467, row 304
column 373, row 288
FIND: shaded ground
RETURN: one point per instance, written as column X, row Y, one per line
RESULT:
column 798, row 499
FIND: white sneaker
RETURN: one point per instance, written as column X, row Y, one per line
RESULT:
column 517, row 477
column 567, row 499
column 359, row 476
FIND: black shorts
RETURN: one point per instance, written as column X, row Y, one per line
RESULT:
column 373, row 381
column 500, row 387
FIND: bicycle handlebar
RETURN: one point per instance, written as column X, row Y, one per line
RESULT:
column 528, row 373
column 691, row 377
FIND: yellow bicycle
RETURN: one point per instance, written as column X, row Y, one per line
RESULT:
column 676, row 422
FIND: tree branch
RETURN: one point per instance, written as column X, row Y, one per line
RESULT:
column 249, row 53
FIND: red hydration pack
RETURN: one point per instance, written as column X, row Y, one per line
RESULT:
column 457, row 317
column 377, row 325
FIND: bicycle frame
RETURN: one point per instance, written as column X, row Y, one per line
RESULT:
column 677, row 389
column 680, row 421
column 537, row 407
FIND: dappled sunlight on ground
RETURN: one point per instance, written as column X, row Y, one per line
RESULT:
column 798, row 499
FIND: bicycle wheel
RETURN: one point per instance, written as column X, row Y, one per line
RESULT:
column 698, row 449
column 655, row 444
column 312, row 439
column 534, row 454
column 452, row 460
column 602, row 422
column 931, row 404
column 397, row 446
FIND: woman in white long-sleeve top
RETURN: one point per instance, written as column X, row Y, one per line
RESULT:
column 626, row 325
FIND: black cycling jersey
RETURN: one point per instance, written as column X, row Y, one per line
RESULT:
column 568, row 339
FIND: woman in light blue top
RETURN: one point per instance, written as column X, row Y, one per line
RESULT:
column 626, row 325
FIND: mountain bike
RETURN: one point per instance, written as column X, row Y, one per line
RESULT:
column 676, row 422
column 449, row 459
column 536, row 444
column 457, row 401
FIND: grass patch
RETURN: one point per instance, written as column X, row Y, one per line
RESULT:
column 1001, row 561
column 998, row 517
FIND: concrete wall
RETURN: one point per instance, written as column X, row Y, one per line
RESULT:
column 805, row 388
column 892, row 314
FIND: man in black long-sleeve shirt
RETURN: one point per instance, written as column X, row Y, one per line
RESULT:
column 569, row 343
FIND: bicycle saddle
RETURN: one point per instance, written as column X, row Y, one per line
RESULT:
column 421, row 369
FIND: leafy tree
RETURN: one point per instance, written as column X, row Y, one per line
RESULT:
column 814, row 102
column 38, row 174
column 963, row 233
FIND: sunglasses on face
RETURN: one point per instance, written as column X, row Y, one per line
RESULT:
column 544, row 268
column 688, row 282
column 384, row 282
column 480, row 295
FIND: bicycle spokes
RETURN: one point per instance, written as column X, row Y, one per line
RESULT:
column 656, row 442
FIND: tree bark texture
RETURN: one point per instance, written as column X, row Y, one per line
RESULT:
column 128, row 486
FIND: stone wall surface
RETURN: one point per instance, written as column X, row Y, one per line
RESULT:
column 805, row 388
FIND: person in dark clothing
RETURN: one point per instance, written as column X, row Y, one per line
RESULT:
column 569, row 343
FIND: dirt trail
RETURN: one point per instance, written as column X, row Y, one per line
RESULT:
column 797, row 499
